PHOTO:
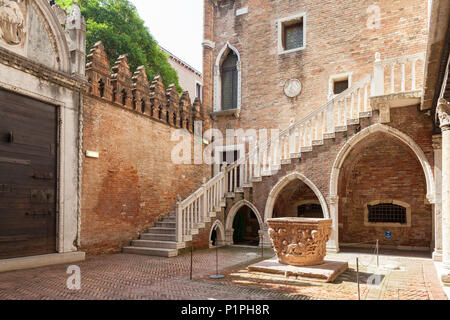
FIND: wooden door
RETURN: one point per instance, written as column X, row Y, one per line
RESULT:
column 28, row 133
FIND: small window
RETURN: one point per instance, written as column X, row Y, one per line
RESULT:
column 340, row 86
column 387, row 213
column 291, row 34
column 310, row 211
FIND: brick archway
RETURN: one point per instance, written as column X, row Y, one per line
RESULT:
column 278, row 188
column 344, row 154
column 232, row 214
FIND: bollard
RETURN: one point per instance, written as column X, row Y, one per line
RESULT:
column 378, row 254
column 217, row 275
column 357, row 278
column 192, row 254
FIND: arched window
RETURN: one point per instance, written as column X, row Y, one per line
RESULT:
column 143, row 106
column 124, row 97
column 101, row 88
column 229, row 81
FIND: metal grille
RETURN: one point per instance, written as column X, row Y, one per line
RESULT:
column 293, row 36
column 387, row 213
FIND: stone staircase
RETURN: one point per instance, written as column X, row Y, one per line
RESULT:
column 266, row 159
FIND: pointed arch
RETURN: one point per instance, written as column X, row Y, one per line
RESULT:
column 273, row 195
column 226, row 49
column 220, row 234
column 234, row 210
column 343, row 153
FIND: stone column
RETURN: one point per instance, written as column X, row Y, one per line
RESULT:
column 443, row 111
column 437, row 207
column 333, row 243
column 264, row 236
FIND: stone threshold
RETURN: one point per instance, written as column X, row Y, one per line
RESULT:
column 15, row 264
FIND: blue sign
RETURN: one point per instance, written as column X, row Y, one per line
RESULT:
column 388, row 235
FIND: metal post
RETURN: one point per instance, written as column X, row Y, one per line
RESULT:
column 357, row 278
column 262, row 246
column 192, row 254
column 217, row 275
column 378, row 254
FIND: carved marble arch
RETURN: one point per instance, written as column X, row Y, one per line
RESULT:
column 16, row 16
column 227, row 48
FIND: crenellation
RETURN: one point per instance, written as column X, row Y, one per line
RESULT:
column 134, row 91
column 122, row 83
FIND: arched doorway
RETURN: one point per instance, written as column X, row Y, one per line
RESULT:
column 296, row 199
column 382, row 192
column 217, row 235
column 243, row 225
column 296, row 196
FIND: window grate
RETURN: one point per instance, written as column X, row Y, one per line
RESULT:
column 293, row 36
column 340, row 86
column 387, row 213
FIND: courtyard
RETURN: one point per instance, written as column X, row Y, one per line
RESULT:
column 402, row 276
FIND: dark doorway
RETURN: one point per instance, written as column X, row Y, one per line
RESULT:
column 246, row 227
column 28, row 131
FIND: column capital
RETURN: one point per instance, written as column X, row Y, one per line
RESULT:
column 443, row 112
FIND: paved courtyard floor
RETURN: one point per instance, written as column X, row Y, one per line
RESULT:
column 125, row 277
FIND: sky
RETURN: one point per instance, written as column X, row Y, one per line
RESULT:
column 177, row 25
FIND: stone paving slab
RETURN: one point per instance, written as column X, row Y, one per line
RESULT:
column 326, row 272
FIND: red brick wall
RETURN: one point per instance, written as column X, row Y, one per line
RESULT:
column 134, row 181
column 383, row 168
column 337, row 41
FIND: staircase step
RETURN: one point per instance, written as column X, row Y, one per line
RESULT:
column 160, row 230
column 158, row 237
column 165, row 224
column 151, row 251
column 155, row 244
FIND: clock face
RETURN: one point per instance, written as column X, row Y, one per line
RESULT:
column 292, row 88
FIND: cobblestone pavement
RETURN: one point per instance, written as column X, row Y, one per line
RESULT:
column 125, row 277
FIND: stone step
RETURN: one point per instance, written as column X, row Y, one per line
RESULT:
column 159, row 252
column 160, row 230
column 158, row 237
column 165, row 224
column 155, row 244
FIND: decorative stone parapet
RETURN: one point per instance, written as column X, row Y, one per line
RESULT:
column 300, row 241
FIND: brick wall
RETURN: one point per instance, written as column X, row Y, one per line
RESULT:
column 133, row 182
column 383, row 168
column 337, row 41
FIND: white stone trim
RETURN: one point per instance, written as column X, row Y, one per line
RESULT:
column 278, row 188
column 405, row 205
column 220, row 241
column 217, row 78
column 338, row 77
column 280, row 22
column 241, row 11
column 209, row 43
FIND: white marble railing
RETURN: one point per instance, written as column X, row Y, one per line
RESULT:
column 397, row 75
column 322, row 123
column 196, row 209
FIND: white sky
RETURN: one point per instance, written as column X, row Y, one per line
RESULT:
column 177, row 25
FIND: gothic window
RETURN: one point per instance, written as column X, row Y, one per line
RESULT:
column 229, row 74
